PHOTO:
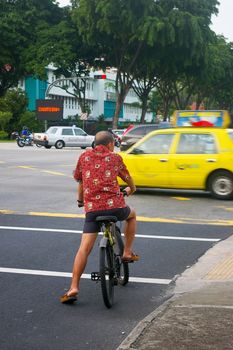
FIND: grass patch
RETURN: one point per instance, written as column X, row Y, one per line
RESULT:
column 4, row 141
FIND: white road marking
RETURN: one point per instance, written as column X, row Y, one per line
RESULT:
column 198, row 239
column 85, row 276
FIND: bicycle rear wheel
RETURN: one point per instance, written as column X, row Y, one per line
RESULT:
column 122, row 268
column 107, row 275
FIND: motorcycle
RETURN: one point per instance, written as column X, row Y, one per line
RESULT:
column 23, row 141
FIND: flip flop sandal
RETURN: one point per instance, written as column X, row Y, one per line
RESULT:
column 68, row 299
column 134, row 257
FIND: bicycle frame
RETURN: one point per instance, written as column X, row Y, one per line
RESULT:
column 107, row 235
column 112, row 272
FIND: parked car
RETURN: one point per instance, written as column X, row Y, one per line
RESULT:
column 136, row 132
column 184, row 158
column 64, row 136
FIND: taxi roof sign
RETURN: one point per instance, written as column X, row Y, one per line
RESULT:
column 214, row 118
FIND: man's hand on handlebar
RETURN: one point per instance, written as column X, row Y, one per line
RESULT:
column 80, row 203
column 128, row 191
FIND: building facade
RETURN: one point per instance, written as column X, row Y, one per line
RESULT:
column 100, row 96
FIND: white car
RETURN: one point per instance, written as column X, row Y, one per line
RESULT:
column 64, row 136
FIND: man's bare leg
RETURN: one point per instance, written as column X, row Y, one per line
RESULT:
column 129, row 231
column 80, row 261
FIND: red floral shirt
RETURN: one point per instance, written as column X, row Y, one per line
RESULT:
column 98, row 170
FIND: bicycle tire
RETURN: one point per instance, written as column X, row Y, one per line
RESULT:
column 107, row 275
column 122, row 268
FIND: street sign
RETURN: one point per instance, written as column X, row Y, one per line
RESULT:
column 49, row 109
column 83, row 116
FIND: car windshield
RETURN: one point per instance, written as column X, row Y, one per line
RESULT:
column 79, row 132
column 51, row 131
column 137, row 131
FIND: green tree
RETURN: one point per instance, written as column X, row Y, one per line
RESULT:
column 120, row 29
column 145, row 79
column 4, row 119
column 177, row 30
column 28, row 118
column 214, row 85
column 61, row 45
column 15, row 103
column 185, row 57
column 21, row 22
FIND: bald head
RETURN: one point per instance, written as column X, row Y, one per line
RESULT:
column 103, row 138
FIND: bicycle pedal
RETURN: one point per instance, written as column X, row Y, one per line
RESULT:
column 95, row 276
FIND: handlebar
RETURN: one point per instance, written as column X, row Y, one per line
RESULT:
column 124, row 193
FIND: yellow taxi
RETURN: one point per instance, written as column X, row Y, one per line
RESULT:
column 198, row 158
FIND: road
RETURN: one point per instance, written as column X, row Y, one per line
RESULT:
column 40, row 229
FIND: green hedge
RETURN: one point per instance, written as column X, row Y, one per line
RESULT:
column 3, row 135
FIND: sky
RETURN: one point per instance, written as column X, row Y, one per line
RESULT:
column 221, row 24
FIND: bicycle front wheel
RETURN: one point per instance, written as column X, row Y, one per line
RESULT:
column 122, row 268
column 107, row 275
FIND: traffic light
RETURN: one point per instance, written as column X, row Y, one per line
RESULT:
column 99, row 76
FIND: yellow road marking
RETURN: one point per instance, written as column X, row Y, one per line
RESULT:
column 223, row 207
column 43, row 171
column 53, row 172
column 182, row 198
column 186, row 221
column 209, row 221
column 60, row 215
column 148, row 219
column 3, row 211
column 26, row 167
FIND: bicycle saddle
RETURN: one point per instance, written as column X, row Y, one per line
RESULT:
column 106, row 219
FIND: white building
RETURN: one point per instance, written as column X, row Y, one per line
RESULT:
column 100, row 96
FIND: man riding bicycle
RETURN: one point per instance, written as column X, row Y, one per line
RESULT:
column 97, row 171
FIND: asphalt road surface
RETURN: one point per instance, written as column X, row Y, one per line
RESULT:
column 40, row 230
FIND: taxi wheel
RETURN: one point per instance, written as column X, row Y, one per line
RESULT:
column 221, row 185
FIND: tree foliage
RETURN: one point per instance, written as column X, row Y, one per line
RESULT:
column 20, row 25
column 13, row 107
column 118, row 28
column 176, row 31
column 165, row 45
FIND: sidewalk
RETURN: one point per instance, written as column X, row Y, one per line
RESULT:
column 199, row 316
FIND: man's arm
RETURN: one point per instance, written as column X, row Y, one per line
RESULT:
column 131, row 188
column 126, row 177
column 80, row 194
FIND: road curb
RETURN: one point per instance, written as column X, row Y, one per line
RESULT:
column 142, row 325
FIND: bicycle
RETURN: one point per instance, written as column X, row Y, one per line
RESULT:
column 112, row 270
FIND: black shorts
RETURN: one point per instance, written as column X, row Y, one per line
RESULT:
column 91, row 226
